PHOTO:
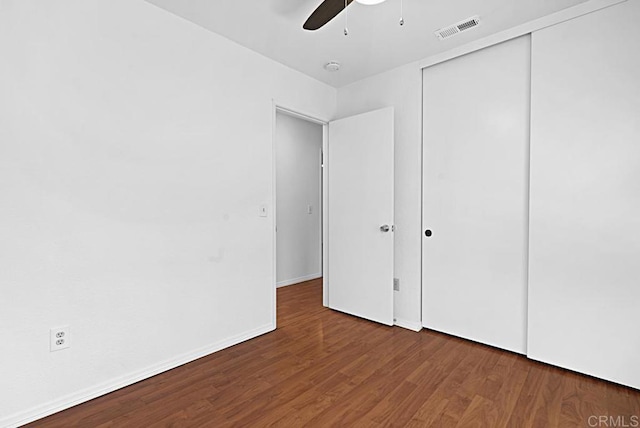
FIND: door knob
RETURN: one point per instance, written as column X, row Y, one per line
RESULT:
column 385, row 228
column 427, row 233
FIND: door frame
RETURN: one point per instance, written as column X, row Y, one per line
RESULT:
column 301, row 114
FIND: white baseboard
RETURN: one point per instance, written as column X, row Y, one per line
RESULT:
column 297, row 280
column 82, row 396
column 410, row 325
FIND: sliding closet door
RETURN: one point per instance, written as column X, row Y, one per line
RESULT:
column 475, row 193
column 584, row 290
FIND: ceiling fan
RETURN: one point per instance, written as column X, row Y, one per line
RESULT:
column 328, row 10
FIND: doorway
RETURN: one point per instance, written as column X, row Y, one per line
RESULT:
column 349, row 241
column 298, row 144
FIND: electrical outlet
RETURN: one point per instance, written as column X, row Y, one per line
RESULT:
column 309, row 209
column 396, row 284
column 60, row 338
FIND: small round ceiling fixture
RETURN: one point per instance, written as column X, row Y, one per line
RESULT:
column 369, row 2
column 332, row 66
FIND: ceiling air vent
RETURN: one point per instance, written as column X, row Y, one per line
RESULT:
column 452, row 30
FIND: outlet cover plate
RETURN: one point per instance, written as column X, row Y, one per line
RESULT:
column 60, row 338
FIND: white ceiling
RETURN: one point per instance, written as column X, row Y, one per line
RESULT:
column 376, row 42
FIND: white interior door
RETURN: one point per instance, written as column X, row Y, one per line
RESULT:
column 475, row 193
column 359, row 220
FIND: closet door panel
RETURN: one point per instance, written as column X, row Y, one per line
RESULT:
column 475, row 193
column 584, row 275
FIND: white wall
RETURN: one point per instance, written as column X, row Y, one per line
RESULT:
column 400, row 88
column 135, row 150
column 298, row 186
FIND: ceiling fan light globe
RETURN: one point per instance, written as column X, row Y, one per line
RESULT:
column 369, row 2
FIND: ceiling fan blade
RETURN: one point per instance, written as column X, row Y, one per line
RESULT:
column 327, row 10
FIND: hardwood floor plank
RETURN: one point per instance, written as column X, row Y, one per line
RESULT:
column 323, row 368
column 551, row 394
column 529, row 399
column 507, row 396
column 372, row 390
column 323, row 396
column 480, row 413
column 452, row 377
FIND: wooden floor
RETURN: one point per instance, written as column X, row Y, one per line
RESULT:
column 323, row 368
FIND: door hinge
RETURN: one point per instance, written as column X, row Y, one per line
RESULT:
column 393, row 228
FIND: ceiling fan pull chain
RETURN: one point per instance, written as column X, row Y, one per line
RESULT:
column 346, row 18
column 401, row 14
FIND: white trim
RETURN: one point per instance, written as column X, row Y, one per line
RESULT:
column 300, row 279
column 422, row 222
column 298, row 115
column 321, row 204
column 274, row 220
column 325, row 215
column 409, row 325
column 274, row 223
column 87, row 394
column 520, row 30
